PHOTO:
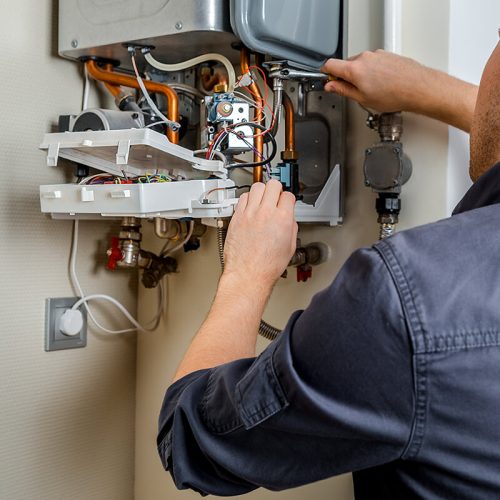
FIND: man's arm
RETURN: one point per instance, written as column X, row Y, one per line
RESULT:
column 387, row 82
column 260, row 243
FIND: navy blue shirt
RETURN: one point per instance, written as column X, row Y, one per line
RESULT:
column 392, row 372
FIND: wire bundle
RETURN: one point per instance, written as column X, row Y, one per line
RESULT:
column 113, row 179
column 256, row 102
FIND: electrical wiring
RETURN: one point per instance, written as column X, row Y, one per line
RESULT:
column 118, row 305
column 264, row 99
column 264, row 161
column 83, row 300
column 173, row 125
column 231, row 75
column 111, row 179
column 205, row 196
column 168, row 251
column 218, row 154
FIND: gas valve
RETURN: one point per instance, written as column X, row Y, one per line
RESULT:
column 306, row 257
column 114, row 254
column 126, row 253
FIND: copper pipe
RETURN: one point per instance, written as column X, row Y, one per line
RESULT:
column 115, row 90
column 289, row 126
column 258, row 115
column 113, row 78
column 208, row 82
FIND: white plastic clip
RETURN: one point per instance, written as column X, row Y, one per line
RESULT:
column 87, row 195
column 53, row 154
column 122, row 152
column 52, row 195
column 125, row 193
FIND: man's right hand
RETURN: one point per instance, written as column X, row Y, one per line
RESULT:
column 379, row 80
column 387, row 82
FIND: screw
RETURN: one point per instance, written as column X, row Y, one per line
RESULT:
column 178, row 25
column 74, row 43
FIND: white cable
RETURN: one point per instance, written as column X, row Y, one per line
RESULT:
column 231, row 75
column 218, row 154
column 167, row 251
column 117, row 304
column 83, row 300
column 145, row 93
column 86, row 88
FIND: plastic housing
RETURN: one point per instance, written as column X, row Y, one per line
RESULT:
column 135, row 152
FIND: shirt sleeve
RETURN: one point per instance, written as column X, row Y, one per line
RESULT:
column 334, row 393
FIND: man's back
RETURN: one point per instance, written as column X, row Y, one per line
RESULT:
column 448, row 278
column 391, row 372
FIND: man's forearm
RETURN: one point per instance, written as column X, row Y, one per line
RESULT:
column 445, row 98
column 387, row 82
column 231, row 327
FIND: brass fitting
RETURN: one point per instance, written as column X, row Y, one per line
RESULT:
column 220, row 88
column 289, row 155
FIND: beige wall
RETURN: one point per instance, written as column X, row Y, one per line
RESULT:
column 67, row 418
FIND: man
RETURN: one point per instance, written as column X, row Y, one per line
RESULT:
column 393, row 372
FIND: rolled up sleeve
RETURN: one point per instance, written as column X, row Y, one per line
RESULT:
column 333, row 393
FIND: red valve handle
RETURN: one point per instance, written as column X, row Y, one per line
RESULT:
column 304, row 273
column 114, row 253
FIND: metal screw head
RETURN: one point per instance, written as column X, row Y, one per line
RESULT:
column 74, row 43
column 178, row 25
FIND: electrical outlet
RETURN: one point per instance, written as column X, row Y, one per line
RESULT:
column 55, row 340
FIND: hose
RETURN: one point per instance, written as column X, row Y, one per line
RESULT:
column 231, row 75
column 266, row 330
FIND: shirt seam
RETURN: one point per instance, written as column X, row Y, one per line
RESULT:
column 463, row 339
column 415, row 330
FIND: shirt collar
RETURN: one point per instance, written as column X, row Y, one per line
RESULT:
column 485, row 191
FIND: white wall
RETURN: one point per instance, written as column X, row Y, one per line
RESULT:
column 473, row 36
column 67, row 417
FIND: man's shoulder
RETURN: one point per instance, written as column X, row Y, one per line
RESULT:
column 447, row 272
column 475, row 234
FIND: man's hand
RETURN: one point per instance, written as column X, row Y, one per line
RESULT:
column 380, row 80
column 262, row 236
column 387, row 82
column 260, row 242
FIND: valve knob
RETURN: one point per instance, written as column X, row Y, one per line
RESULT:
column 304, row 272
column 114, row 253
